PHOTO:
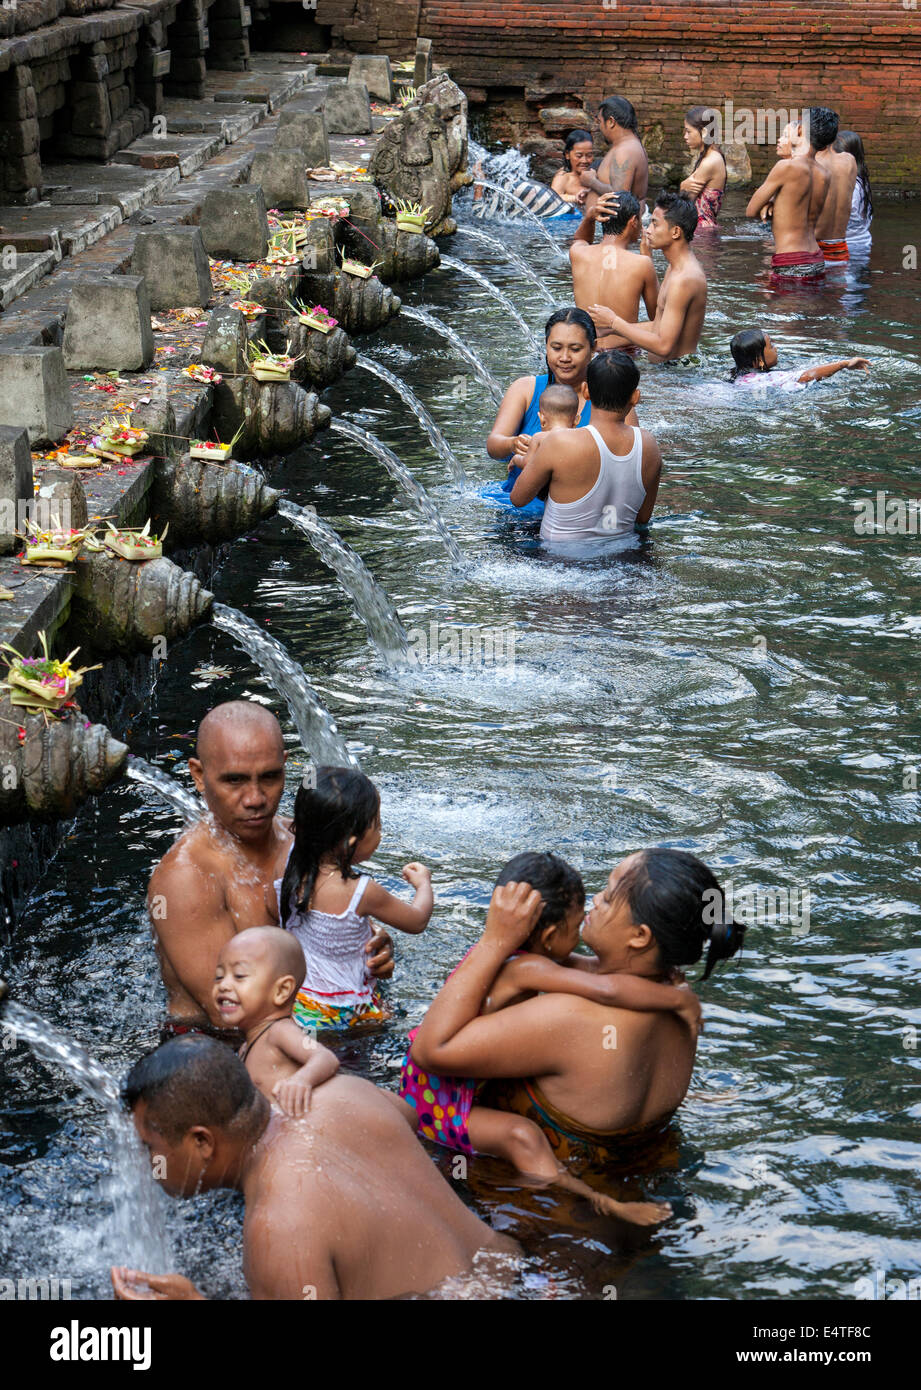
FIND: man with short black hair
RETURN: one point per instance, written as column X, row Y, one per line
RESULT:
column 841, row 168
column 609, row 272
column 675, row 331
column 793, row 196
column 342, row 1202
column 603, row 478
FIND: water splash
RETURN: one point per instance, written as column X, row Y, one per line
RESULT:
column 513, row 198
column 315, row 726
column 499, row 295
column 137, row 1237
column 513, row 256
column 172, row 792
column 444, row 330
column 371, row 602
column 401, row 474
column 437, row 439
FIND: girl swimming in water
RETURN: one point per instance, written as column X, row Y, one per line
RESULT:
column 755, row 355
column 326, row 904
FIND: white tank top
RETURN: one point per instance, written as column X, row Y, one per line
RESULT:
column 334, row 950
column 609, row 508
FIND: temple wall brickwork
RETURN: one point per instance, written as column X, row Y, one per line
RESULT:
column 517, row 57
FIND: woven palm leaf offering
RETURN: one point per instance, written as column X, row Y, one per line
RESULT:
column 133, row 544
column 331, row 206
column 212, row 450
column 41, row 683
column 283, row 249
column 58, row 546
column 317, row 317
column 356, row 268
column 248, row 308
column 118, row 438
column 411, row 217
column 270, row 366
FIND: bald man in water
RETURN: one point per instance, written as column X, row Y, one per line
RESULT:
column 219, row 877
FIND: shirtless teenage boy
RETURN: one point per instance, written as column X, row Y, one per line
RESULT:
column 796, row 189
column 218, row 878
column 342, row 1202
column 625, row 166
column 833, row 219
column 682, row 302
column 609, row 273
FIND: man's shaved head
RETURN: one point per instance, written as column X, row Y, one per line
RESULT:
column 235, row 719
column 239, row 768
column 278, row 948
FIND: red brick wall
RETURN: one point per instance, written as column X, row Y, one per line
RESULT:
column 861, row 57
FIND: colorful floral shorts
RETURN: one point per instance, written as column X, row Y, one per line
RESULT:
column 443, row 1103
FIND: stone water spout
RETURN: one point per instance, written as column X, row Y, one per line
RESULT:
column 275, row 417
column 360, row 305
column 120, row 607
column 55, row 766
column 209, row 502
column 325, row 357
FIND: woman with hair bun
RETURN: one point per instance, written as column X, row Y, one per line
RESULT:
column 547, row 1058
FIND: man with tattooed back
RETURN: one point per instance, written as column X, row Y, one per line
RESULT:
column 625, row 167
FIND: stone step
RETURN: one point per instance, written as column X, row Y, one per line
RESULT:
column 29, row 268
column 187, row 153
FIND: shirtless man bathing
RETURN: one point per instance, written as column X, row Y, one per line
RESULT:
column 610, row 273
column 794, row 195
column 342, row 1202
column 625, row 167
column 219, row 877
column 831, row 227
column 675, row 331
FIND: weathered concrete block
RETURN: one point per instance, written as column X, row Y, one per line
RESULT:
column 375, row 72
column 422, row 72
column 108, row 325
column 34, row 393
column 225, row 341
column 282, row 174
column 16, row 483
column 304, row 131
column 175, row 266
column 347, row 109
column 234, row 224
column 60, row 501
column 364, row 206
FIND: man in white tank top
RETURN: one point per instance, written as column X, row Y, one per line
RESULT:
column 603, row 479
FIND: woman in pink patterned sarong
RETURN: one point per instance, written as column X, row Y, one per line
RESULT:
column 706, row 182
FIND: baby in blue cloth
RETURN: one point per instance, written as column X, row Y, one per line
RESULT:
column 558, row 409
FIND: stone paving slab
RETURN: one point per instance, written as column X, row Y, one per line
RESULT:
column 129, row 189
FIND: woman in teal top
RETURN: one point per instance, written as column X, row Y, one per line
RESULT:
column 569, row 335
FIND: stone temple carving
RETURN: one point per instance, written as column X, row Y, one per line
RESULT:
column 411, row 162
column 451, row 104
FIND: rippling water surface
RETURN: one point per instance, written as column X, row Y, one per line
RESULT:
column 743, row 685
